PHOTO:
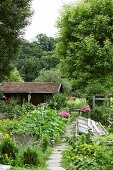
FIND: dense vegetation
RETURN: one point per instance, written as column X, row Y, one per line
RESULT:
column 27, row 134
column 14, row 16
column 85, row 44
column 36, row 56
column 86, row 153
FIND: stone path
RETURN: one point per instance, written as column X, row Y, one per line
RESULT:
column 55, row 158
column 54, row 161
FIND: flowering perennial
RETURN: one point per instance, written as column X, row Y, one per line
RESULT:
column 85, row 109
column 64, row 114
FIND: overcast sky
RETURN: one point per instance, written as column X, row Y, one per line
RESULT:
column 44, row 18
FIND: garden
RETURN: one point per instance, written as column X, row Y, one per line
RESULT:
column 89, row 152
column 28, row 134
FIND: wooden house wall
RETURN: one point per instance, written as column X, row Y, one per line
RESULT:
column 39, row 98
column 19, row 97
column 36, row 98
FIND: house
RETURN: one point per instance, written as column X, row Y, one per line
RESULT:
column 35, row 92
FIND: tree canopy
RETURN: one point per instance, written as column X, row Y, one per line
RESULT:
column 85, row 43
column 14, row 16
column 14, row 76
column 36, row 56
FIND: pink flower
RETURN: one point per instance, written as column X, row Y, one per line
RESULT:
column 64, row 114
column 85, row 109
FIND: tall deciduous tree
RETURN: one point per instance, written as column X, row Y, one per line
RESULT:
column 46, row 43
column 14, row 16
column 85, row 43
column 35, row 56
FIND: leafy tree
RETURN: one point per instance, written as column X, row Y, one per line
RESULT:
column 14, row 16
column 35, row 56
column 48, row 62
column 46, row 43
column 54, row 76
column 14, row 76
column 49, row 76
column 85, row 43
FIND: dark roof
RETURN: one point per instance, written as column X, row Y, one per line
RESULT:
column 29, row 87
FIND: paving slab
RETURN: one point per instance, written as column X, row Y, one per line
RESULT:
column 56, row 168
column 5, row 167
column 55, row 156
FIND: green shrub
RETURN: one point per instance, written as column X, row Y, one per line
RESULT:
column 86, row 154
column 58, row 101
column 10, row 110
column 45, row 142
column 94, row 87
column 77, row 104
column 28, row 107
column 7, row 125
column 8, row 148
column 101, row 114
column 30, row 156
column 13, row 110
column 9, row 151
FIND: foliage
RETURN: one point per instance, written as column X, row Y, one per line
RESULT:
column 27, row 107
column 30, row 156
column 38, row 126
column 86, row 154
column 8, row 150
column 74, row 114
column 46, row 43
column 58, row 101
column 101, row 114
column 85, row 43
column 14, row 76
column 48, row 62
column 29, row 168
column 76, row 104
column 53, row 75
column 49, row 76
column 44, row 124
column 45, row 142
column 94, row 87
column 14, row 17
column 36, row 56
column 10, row 110
column 7, row 125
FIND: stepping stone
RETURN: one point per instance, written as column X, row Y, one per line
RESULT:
column 56, row 168
column 53, row 163
column 60, row 148
column 5, row 167
column 55, row 156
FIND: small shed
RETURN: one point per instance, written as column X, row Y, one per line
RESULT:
column 36, row 92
